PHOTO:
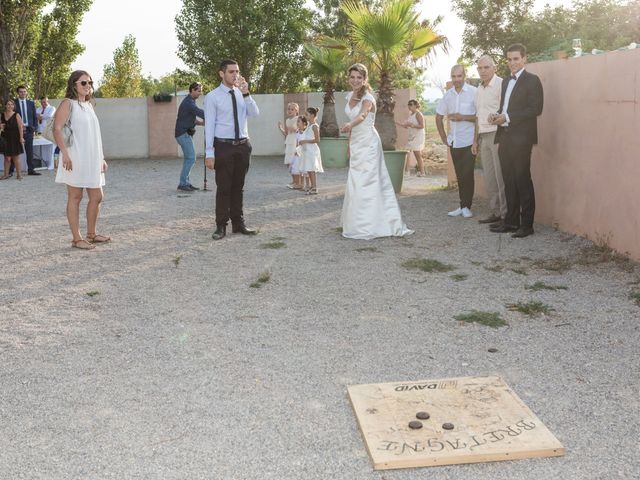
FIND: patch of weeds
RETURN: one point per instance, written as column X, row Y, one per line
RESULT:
column 262, row 279
column 278, row 239
column 600, row 252
column 273, row 245
column 543, row 286
column 525, row 258
column 493, row 268
column 532, row 308
column 489, row 319
column 176, row 260
column 635, row 296
column 519, row 270
column 427, row 265
column 338, row 229
column 555, row 264
column 476, row 263
column 93, row 293
column 367, row 249
column 459, row 277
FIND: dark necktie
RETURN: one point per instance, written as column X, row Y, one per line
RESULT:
column 236, row 124
column 513, row 77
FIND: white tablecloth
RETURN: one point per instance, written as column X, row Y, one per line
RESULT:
column 42, row 149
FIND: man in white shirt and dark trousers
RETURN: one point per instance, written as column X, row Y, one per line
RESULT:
column 44, row 113
column 488, row 102
column 227, row 147
column 458, row 104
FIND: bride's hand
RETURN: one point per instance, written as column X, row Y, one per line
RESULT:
column 346, row 128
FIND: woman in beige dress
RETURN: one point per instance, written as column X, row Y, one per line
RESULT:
column 415, row 144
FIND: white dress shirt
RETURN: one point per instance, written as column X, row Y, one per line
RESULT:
column 487, row 102
column 461, row 133
column 46, row 115
column 218, row 115
column 507, row 95
column 24, row 111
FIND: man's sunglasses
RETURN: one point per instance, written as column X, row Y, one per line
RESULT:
column 84, row 82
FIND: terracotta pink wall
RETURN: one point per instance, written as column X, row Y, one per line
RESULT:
column 586, row 166
column 161, row 125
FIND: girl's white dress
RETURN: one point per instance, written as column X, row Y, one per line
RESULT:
column 311, row 160
column 416, row 136
column 86, row 151
column 290, row 139
column 294, row 166
column 370, row 207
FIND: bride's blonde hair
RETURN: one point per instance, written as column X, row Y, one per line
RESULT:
column 362, row 70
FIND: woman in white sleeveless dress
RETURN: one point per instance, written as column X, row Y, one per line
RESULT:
column 82, row 166
column 416, row 138
column 370, row 208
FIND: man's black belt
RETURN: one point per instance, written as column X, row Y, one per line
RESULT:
column 240, row 141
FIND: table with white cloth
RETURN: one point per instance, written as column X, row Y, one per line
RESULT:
column 43, row 150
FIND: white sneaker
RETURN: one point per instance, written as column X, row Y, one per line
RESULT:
column 455, row 213
column 466, row 213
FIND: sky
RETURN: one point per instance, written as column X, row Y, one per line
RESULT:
column 151, row 22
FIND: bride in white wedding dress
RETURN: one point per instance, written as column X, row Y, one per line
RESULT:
column 370, row 208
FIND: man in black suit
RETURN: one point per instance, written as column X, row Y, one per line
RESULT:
column 27, row 110
column 520, row 104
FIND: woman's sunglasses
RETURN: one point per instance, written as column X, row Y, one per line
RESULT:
column 85, row 82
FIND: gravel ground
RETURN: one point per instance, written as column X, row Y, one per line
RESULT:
column 153, row 358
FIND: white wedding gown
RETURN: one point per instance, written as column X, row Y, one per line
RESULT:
column 370, row 208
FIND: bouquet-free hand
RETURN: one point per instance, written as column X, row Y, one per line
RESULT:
column 67, row 164
column 210, row 163
column 346, row 128
column 105, row 167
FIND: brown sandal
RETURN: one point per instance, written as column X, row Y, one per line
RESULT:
column 97, row 238
column 82, row 244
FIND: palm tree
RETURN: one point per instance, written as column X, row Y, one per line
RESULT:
column 327, row 64
column 389, row 37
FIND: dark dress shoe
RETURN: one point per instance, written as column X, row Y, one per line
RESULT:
column 490, row 219
column 503, row 228
column 220, row 232
column 243, row 229
column 33, row 172
column 497, row 224
column 192, row 188
column 523, row 232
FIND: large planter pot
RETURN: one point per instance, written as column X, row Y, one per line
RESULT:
column 334, row 152
column 394, row 159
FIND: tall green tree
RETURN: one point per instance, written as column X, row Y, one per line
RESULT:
column 265, row 37
column 123, row 77
column 57, row 47
column 327, row 64
column 31, row 41
column 491, row 25
column 390, row 36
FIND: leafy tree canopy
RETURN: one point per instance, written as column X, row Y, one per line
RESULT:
column 123, row 77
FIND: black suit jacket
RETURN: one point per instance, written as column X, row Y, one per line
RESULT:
column 525, row 104
column 30, row 114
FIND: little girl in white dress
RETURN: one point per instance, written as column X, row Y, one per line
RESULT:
column 311, row 160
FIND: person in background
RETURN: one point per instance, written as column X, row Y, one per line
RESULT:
column 189, row 115
column 82, row 166
column 11, row 129
column 311, row 159
column 416, row 134
column 289, row 131
column 27, row 110
column 44, row 113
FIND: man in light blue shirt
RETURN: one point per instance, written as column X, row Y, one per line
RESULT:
column 227, row 147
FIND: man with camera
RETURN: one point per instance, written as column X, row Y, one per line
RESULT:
column 188, row 118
